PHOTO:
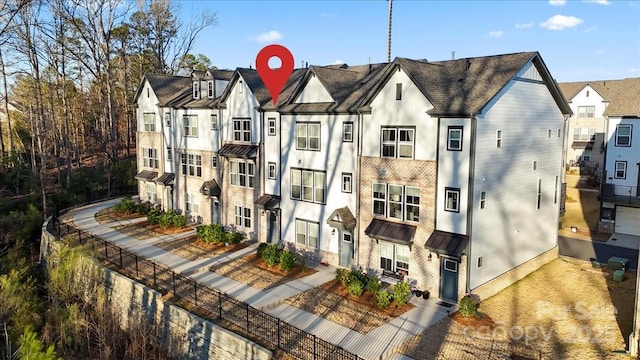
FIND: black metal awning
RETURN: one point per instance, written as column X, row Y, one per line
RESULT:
column 586, row 145
column 446, row 243
column 389, row 231
column 239, row 151
column 268, row 202
column 210, row 188
column 342, row 219
column 146, row 175
column 166, row 179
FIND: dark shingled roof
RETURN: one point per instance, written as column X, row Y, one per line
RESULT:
column 165, row 86
column 268, row 202
column 221, row 74
column 287, row 90
column 166, row 179
column 446, row 243
column 239, row 151
column 391, row 231
column 342, row 218
column 210, row 188
column 146, row 175
column 623, row 95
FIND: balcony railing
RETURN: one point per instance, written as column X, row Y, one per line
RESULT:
column 620, row 194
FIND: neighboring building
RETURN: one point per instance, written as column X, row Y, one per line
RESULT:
column 620, row 192
column 448, row 173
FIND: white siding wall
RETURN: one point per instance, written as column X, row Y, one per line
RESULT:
column 207, row 139
column 511, row 230
column 314, row 92
column 410, row 111
column 240, row 104
column 271, row 154
column 592, row 99
column 630, row 154
column 335, row 157
column 453, row 172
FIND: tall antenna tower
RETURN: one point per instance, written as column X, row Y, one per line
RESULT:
column 389, row 34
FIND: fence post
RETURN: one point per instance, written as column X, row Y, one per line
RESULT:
column 106, row 251
column 68, row 231
column 278, row 337
column 173, row 281
column 120, row 250
column 195, row 291
column 155, row 283
column 79, row 237
column 136, row 259
column 219, row 304
column 247, row 308
column 314, row 347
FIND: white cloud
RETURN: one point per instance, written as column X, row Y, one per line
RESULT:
column 557, row 2
column 269, row 36
column 338, row 62
column 633, row 70
column 496, row 33
column 525, row 25
column 561, row 22
column 601, row 2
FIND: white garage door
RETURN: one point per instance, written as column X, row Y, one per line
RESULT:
column 628, row 220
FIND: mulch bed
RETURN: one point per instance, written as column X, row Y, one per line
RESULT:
column 109, row 215
column 478, row 321
column 192, row 248
column 332, row 301
column 144, row 231
column 251, row 270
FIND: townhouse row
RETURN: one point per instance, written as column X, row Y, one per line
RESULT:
column 446, row 173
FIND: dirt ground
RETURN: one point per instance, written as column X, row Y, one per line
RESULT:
column 582, row 212
column 565, row 310
column 193, row 249
column 108, row 215
column 145, row 231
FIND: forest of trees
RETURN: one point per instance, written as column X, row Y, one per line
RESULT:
column 69, row 70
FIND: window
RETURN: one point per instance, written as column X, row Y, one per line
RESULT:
column 397, row 142
column 307, row 136
column 539, row 194
column 242, row 216
column 169, row 154
column 395, row 201
column 479, row 261
column 584, row 134
column 272, row 126
column 272, row 171
column 586, row 111
column 242, row 173
column 167, row 119
column 149, row 121
column 347, row 237
column 191, row 164
column 621, row 169
column 308, row 185
column 548, row 133
column 559, row 132
column 307, row 233
column 452, row 199
column 240, row 87
column 190, row 124
column 151, row 192
column 242, row 130
column 483, row 199
column 394, row 258
column 214, row 160
column 150, row 158
column 210, row 92
column 379, row 199
column 412, row 201
column 214, row 121
column 196, row 89
column 499, row 138
column 399, row 91
column 454, row 138
column 555, row 191
column 623, row 135
column 534, row 165
column 347, row 182
column 347, row 131
column 192, row 203
column 586, row 155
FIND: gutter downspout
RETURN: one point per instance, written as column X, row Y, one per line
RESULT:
column 357, row 185
column 472, row 164
column 260, row 171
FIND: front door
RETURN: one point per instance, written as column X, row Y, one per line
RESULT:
column 215, row 211
column 169, row 198
column 273, row 220
column 449, row 279
column 346, row 249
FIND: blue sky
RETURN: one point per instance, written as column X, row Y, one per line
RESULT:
column 578, row 40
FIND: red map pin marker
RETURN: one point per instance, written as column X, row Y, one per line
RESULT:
column 274, row 79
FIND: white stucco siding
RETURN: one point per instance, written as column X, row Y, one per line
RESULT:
column 588, row 97
column 411, row 111
column 241, row 103
column 334, row 158
column 271, row 154
column 314, row 92
column 206, row 138
column 511, row 229
column 453, row 173
column 630, row 154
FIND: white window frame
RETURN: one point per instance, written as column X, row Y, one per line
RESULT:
column 190, row 125
column 310, row 185
column 271, row 171
column 149, row 122
column 214, row 122
column 347, row 131
column 271, row 124
column 196, row 89
column 498, row 138
column 151, row 192
column 347, row 182
column 167, row 119
column 452, row 199
column 395, row 204
column 412, row 203
column 586, row 111
column 191, row 203
column 150, row 158
column 623, row 136
column 210, row 92
column 242, row 173
column 379, row 196
column 539, row 194
column 169, row 153
column 214, row 160
column 307, row 233
column 400, row 202
column 242, row 129
column 398, row 257
column 620, row 167
column 304, row 138
column 483, row 199
column 191, row 164
column 454, row 138
column 242, row 216
column 396, row 143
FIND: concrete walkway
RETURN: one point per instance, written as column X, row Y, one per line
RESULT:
column 379, row 343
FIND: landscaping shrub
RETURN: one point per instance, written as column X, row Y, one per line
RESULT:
column 143, row 208
column 126, row 206
column 342, row 275
column 401, row 293
column 271, row 254
column 358, row 275
column 179, row 221
column 373, row 285
column 467, row 307
column 261, row 248
column 355, row 287
column 166, row 219
column 383, row 299
column 154, row 216
column 233, row 237
column 287, row 260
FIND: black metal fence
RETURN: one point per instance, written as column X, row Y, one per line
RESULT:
column 251, row 322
